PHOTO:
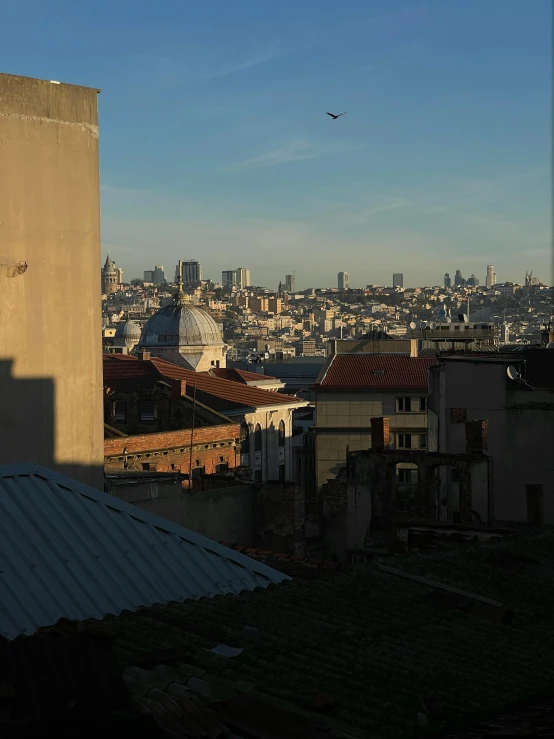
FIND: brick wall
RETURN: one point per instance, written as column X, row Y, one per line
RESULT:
column 170, row 450
column 380, row 434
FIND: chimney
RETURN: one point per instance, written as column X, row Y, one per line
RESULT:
column 380, row 434
column 143, row 355
column 476, row 437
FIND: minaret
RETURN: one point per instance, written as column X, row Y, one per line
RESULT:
column 180, row 298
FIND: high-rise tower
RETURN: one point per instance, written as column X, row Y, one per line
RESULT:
column 343, row 280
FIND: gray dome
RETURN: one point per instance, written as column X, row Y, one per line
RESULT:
column 180, row 325
column 128, row 330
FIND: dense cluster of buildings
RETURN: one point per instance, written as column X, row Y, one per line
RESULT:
column 324, row 435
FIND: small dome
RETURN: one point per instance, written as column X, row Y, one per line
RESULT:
column 180, row 325
column 128, row 330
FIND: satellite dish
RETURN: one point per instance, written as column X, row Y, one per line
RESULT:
column 432, row 325
column 512, row 373
column 413, row 325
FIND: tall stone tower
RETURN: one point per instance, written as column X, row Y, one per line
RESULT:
column 110, row 277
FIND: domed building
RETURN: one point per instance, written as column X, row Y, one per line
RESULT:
column 184, row 334
column 127, row 335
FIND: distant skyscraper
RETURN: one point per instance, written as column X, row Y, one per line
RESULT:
column 229, row 277
column 119, row 275
column 398, row 279
column 192, row 272
column 472, row 281
column 447, row 280
column 458, row 279
column 491, row 277
column 343, row 280
column 289, row 283
column 243, row 277
column 159, row 276
column 148, row 275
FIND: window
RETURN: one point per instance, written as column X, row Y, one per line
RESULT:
column 120, row 411
column 407, row 476
column 404, row 441
column 281, row 433
column 258, row 438
column 411, row 405
column 258, row 475
column 423, row 441
column 281, row 473
column 222, row 467
column 147, row 411
column 244, row 438
column 404, row 405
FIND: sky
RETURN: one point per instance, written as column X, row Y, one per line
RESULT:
column 215, row 144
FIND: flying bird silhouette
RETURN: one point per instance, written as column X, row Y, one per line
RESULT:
column 334, row 117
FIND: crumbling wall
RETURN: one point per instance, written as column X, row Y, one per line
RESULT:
column 279, row 518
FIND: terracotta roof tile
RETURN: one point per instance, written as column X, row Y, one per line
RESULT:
column 230, row 394
column 375, row 371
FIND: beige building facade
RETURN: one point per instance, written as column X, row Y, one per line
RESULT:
column 354, row 388
column 50, row 332
column 344, row 419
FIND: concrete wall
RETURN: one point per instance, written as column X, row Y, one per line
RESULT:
column 51, row 315
column 226, row 514
column 520, row 430
column 378, row 346
column 343, row 419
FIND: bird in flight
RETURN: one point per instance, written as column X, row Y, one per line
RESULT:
column 334, row 117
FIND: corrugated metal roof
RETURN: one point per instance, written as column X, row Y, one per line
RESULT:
column 67, row 550
column 375, row 371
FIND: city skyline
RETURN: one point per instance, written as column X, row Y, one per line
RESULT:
column 240, row 277
column 442, row 158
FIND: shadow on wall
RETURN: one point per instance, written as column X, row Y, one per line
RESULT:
column 28, row 427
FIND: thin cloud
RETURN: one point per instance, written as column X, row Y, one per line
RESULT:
column 367, row 214
column 172, row 72
column 240, row 66
column 295, row 151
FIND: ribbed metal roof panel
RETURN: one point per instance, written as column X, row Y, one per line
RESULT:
column 70, row 551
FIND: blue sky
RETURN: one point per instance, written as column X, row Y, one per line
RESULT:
column 215, row 144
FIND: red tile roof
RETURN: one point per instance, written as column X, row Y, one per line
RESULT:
column 220, row 394
column 375, row 372
column 118, row 367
